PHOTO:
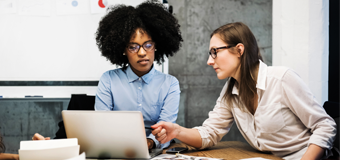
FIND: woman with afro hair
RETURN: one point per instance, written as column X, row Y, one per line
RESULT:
column 133, row 38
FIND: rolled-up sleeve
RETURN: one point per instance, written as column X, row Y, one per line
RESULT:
column 303, row 104
column 218, row 124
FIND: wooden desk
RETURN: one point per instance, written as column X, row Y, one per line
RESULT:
column 228, row 150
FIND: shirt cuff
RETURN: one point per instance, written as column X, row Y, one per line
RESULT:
column 317, row 140
column 158, row 145
column 204, row 137
column 320, row 141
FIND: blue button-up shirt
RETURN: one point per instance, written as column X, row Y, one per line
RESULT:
column 155, row 94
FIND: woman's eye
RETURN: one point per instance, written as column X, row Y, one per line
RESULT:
column 212, row 51
column 132, row 47
column 148, row 45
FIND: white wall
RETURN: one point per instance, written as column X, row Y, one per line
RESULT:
column 300, row 41
column 51, row 40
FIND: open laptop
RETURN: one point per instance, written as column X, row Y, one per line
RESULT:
column 108, row 134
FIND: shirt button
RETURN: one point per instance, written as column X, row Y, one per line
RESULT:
column 140, row 104
column 139, row 88
column 139, row 78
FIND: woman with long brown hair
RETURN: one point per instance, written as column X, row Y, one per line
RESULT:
column 272, row 107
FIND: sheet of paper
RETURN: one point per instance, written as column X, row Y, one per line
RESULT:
column 71, row 7
column 8, row 6
column 55, row 143
column 50, row 154
column 99, row 6
column 34, row 7
column 80, row 157
column 164, row 156
column 181, row 156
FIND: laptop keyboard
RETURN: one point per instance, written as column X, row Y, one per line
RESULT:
column 155, row 152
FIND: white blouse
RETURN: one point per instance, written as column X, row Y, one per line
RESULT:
column 288, row 117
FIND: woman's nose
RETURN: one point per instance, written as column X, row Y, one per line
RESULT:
column 141, row 52
column 210, row 61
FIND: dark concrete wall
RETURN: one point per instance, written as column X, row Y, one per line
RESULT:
column 198, row 18
column 20, row 119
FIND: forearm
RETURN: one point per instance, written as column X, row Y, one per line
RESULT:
column 189, row 136
column 313, row 152
column 8, row 156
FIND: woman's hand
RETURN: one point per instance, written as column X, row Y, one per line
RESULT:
column 15, row 156
column 165, row 131
column 150, row 142
column 8, row 156
column 37, row 136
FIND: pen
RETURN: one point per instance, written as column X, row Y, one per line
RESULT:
column 29, row 96
column 148, row 128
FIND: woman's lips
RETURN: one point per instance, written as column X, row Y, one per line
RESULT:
column 143, row 61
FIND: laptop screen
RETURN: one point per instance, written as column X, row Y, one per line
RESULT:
column 107, row 134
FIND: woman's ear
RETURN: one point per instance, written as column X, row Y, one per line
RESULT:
column 240, row 49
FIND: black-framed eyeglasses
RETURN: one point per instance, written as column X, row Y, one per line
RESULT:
column 213, row 51
column 134, row 47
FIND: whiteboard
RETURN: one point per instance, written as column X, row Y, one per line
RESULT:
column 49, row 40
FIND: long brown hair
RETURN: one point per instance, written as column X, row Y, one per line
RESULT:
column 233, row 34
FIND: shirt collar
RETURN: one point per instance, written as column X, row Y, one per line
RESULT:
column 235, row 90
column 133, row 77
column 261, row 78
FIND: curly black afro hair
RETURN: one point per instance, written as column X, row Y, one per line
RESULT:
column 119, row 25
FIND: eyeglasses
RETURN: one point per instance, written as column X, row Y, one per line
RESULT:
column 134, row 47
column 213, row 51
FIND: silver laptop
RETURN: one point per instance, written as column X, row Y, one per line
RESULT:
column 108, row 134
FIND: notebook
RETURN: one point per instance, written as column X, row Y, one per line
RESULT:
column 56, row 149
column 108, row 134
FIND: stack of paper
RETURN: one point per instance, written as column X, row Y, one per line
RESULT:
column 185, row 157
column 60, row 149
column 80, row 157
column 182, row 157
